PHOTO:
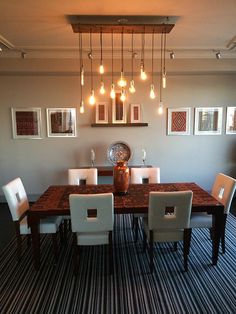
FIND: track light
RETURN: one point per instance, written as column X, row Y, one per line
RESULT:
column 218, row 55
column 172, row 55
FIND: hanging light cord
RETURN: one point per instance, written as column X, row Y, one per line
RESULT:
column 143, row 44
column 81, row 63
column 91, row 60
column 161, row 70
column 122, row 52
column 164, row 57
column 112, row 56
column 101, row 45
column 152, row 53
column 132, row 60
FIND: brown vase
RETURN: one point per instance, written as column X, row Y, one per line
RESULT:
column 121, row 178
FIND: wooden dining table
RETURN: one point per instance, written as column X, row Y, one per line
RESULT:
column 55, row 202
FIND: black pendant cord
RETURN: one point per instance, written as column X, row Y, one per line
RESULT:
column 112, row 78
column 132, row 60
column 152, row 54
column 91, row 60
column 161, row 70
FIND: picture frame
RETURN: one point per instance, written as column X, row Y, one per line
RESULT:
column 118, row 109
column 230, row 120
column 135, row 113
column 61, row 122
column 101, row 113
column 208, row 121
column 178, row 122
column 26, row 123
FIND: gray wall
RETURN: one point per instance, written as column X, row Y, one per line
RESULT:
column 55, row 84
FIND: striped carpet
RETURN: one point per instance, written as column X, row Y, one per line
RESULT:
column 132, row 289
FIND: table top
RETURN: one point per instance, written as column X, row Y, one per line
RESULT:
column 55, row 200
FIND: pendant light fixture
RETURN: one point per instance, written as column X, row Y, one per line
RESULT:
column 132, row 87
column 92, row 99
column 164, row 64
column 152, row 91
column 81, row 108
column 112, row 93
column 101, row 69
column 122, row 81
column 143, row 74
column 160, row 107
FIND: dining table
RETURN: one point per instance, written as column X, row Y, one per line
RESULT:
column 55, row 202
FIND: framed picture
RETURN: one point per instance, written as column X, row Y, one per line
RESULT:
column 231, row 120
column 61, row 122
column 178, row 121
column 118, row 110
column 135, row 113
column 26, row 123
column 208, row 121
column 101, row 114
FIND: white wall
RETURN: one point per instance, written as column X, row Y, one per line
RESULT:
column 55, row 84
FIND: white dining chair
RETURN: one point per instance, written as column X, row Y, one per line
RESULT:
column 18, row 204
column 142, row 176
column 82, row 176
column 92, row 219
column 168, row 221
column 223, row 190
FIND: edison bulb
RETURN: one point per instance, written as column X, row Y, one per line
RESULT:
column 132, row 87
column 102, row 89
column 81, row 108
column 113, row 93
column 82, row 76
column 164, row 80
column 160, row 108
column 122, row 97
column 122, row 81
column 152, row 92
column 101, row 69
column 143, row 74
column 92, row 99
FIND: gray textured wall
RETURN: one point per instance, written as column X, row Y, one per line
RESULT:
column 181, row 158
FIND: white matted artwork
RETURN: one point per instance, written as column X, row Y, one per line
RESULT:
column 208, row 121
column 101, row 114
column 231, row 120
column 178, row 121
column 118, row 109
column 26, row 123
column 61, row 122
column 135, row 113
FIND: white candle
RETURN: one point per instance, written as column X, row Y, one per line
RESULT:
column 92, row 155
column 144, row 154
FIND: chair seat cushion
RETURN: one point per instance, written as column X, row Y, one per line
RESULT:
column 200, row 220
column 163, row 235
column 47, row 225
column 95, row 238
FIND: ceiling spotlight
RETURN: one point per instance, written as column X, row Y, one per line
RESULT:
column 172, row 55
column 218, row 55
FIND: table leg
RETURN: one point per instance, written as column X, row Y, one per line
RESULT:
column 217, row 227
column 34, row 225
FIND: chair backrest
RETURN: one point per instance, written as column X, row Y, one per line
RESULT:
column 82, row 176
column 92, row 212
column 223, row 190
column 141, row 175
column 169, row 210
column 16, row 197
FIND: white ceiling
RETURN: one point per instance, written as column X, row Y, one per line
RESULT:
column 203, row 26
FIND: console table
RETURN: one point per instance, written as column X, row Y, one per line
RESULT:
column 107, row 171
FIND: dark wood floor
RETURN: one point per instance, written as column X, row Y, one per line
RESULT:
column 7, row 228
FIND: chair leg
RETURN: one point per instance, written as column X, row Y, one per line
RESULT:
column 136, row 229
column 65, row 230
column 110, row 254
column 61, row 233
column 133, row 221
column 18, row 240
column 55, row 247
column 75, row 251
column 28, row 239
column 187, row 241
column 151, row 251
column 223, row 234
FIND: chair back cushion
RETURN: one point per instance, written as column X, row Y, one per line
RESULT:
column 92, row 212
column 223, row 190
column 82, row 176
column 169, row 210
column 139, row 175
column 16, row 197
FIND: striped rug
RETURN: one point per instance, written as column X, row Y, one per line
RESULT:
column 132, row 289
